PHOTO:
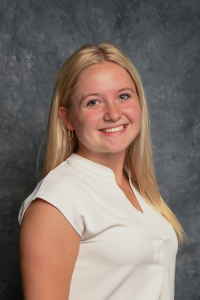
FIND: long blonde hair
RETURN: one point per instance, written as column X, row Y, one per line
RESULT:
column 138, row 159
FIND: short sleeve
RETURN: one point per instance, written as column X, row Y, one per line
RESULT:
column 59, row 190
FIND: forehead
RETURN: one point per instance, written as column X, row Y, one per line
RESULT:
column 104, row 74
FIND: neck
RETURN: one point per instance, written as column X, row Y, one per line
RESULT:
column 114, row 161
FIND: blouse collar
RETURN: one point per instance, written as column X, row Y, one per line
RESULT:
column 91, row 166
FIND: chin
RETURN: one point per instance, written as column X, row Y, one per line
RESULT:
column 115, row 150
column 119, row 147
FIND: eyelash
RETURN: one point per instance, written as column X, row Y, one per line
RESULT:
column 89, row 103
column 126, row 95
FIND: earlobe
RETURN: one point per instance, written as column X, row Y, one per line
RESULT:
column 64, row 115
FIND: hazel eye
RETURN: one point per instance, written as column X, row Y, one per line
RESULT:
column 124, row 96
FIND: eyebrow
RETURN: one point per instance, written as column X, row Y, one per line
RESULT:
column 130, row 89
column 127, row 88
column 87, row 95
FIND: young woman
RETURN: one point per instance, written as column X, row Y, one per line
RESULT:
column 98, row 227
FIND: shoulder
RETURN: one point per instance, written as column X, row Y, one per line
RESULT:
column 65, row 172
column 63, row 190
column 61, row 179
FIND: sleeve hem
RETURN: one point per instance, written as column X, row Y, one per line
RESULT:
column 25, row 207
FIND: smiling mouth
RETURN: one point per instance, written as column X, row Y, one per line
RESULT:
column 115, row 129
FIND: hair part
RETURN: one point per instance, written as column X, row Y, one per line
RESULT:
column 138, row 159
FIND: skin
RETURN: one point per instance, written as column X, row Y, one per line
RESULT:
column 105, row 97
column 47, row 257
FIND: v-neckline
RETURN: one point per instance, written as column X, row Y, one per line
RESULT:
column 126, row 200
column 107, row 172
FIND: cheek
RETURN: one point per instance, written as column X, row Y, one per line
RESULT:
column 85, row 121
column 139, row 114
column 134, row 112
column 92, row 118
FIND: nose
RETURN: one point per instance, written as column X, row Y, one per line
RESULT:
column 112, row 113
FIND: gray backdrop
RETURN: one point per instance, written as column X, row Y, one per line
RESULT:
column 161, row 37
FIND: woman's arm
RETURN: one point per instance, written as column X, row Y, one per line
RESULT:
column 48, row 251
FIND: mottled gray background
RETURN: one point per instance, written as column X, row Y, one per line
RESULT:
column 161, row 37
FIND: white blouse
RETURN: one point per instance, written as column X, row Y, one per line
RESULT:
column 124, row 254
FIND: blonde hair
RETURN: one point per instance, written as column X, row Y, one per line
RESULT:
column 138, row 159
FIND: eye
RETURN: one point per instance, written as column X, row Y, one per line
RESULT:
column 92, row 103
column 124, row 96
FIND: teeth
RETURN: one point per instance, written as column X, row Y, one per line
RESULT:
column 114, row 129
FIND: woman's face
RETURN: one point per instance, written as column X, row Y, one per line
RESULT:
column 105, row 110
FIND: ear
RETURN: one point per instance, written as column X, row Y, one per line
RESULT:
column 64, row 114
